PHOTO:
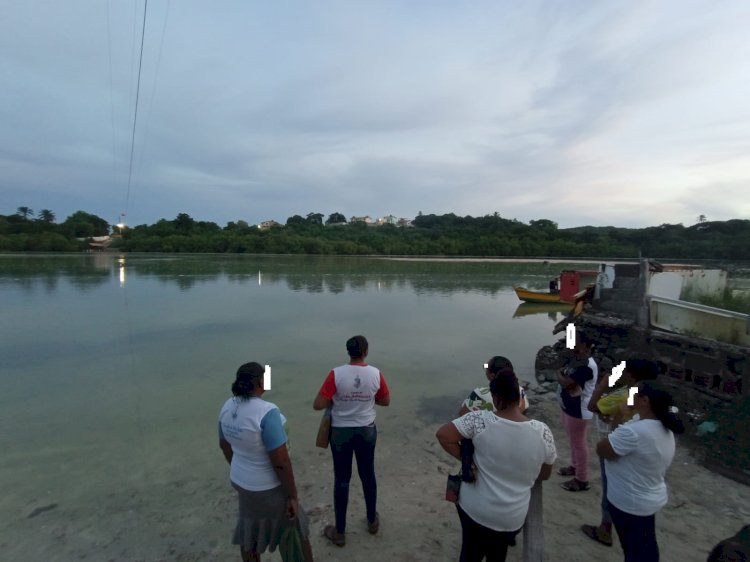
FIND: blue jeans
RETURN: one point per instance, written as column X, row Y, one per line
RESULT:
column 637, row 535
column 359, row 442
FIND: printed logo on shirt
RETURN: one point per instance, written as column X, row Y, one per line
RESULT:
column 357, row 382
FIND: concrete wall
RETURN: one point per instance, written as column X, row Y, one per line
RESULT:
column 693, row 319
column 673, row 284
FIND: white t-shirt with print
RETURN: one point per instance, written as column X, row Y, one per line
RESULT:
column 508, row 456
column 242, row 424
column 635, row 480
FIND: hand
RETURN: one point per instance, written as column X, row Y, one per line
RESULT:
column 292, row 508
column 592, row 407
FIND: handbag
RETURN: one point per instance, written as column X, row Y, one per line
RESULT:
column 324, row 430
column 452, row 488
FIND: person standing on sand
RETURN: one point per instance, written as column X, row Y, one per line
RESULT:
column 610, row 414
column 577, row 381
column 481, row 399
column 254, row 443
column 636, row 457
column 512, row 452
column 352, row 391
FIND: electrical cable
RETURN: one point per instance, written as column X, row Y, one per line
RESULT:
column 135, row 115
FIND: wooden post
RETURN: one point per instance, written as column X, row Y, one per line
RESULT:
column 533, row 527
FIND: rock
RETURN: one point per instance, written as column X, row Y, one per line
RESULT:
column 548, row 357
column 605, row 363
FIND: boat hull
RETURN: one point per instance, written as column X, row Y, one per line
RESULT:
column 535, row 296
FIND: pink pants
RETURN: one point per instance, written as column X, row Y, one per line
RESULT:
column 576, row 429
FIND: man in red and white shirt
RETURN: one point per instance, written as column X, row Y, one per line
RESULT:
column 352, row 391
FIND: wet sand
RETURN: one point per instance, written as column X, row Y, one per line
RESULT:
column 171, row 510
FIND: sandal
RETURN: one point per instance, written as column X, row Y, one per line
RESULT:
column 566, row 471
column 575, row 485
column 597, row 534
column 329, row 532
column 373, row 527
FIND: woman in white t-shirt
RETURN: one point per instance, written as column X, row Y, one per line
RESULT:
column 510, row 453
column 254, row 443
column 637, row 455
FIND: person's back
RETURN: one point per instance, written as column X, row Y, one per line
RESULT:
column 636, row 480
column 354, row 389
column 241, row 425
column 507, row 455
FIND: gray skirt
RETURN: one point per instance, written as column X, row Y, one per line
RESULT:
column 262, row 519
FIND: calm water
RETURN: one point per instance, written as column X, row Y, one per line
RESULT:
column 113, row 370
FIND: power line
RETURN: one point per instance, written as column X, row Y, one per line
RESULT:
column 135, row 116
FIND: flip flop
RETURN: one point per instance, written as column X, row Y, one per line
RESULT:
column 566, row 471
column 575, row 485
column 373, row 527
column 593, row 533
column 329, row 532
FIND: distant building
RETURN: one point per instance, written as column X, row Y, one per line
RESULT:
column 366, row 219
column 389, row 219
column 404, row 223
column 265, row 225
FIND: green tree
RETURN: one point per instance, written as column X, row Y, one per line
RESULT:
column 45, row 215
column 84, row 225
column 336, row 218
column 24, row 212
column 315, row 218
column 184, row 222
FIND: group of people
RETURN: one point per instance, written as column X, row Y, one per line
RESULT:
column 505, row 455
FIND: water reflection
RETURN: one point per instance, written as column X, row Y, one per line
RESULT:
column 552, row 310
column 333, row 275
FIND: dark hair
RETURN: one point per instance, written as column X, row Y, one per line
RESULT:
column 499, row 363
column 584, row 338
column 504, row 387
column 642, row 369
column 661, row 405
column 247, row 378
column 356, row 346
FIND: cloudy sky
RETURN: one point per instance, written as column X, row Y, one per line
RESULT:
column 615, row 112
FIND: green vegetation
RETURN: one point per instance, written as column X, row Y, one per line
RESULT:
column 727, row 300
column 444, row 235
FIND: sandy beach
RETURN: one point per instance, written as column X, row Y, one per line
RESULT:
column 175, row 515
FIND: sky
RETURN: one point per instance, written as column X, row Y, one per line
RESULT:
column 621, row 113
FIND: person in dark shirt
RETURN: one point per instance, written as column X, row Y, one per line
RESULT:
column 576, row 385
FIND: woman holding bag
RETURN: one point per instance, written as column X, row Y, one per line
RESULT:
column 254, row 443
column 511, row 452
column 352, row 391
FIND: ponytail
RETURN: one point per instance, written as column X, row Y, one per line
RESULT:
column 662, row 406
column 248, row 376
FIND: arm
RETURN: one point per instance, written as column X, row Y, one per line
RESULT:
column 226, row 448
column 321, row 402
column 383, row 396
column 604, row 450
column 282, row 465
column 449, row 439
column 545, row 472
column 464, row 410
column 324, row 399
column 601, row 388
column 564, row 381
